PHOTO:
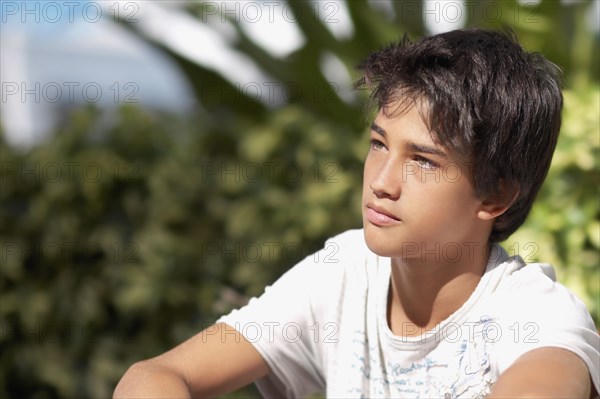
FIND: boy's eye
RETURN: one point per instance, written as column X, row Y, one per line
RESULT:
column 425, row 163
column 376, row 144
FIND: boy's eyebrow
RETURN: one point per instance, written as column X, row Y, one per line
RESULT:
column 423, row 148
column 426, row 149
column 377, row 129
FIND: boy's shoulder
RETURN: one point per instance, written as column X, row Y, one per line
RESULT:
column 518, row 280
column 529, row 294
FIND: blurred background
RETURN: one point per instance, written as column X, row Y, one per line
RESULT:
column 161, row 162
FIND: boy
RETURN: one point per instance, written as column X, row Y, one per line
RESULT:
column 422, row 302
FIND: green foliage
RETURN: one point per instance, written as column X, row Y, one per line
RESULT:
column 127, row 233
column 120, row 245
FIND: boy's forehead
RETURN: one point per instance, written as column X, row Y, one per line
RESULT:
column 412, row 118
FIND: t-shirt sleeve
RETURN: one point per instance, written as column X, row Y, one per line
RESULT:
column 286, row 324
column 538, row 312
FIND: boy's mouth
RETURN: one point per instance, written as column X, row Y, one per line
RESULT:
column 380, row 216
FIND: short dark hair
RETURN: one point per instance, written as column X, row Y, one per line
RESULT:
column 487, row 99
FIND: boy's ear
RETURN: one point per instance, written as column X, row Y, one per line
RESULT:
column 496, row 205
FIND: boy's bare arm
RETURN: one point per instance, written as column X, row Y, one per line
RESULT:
column 545, row 373
column 215, row 361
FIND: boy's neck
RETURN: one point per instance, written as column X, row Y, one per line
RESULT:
column 423, row 294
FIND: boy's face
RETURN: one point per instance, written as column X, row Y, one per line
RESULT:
column 418, row 202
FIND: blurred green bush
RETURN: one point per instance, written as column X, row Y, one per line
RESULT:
column 121, row 239
column 129, row 232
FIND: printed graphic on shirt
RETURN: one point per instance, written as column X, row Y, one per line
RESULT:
column 457, row 366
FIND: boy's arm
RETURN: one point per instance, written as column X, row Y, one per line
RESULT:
column 215, row 361
column 545, row 373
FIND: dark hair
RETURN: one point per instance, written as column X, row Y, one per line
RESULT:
column 486, row 99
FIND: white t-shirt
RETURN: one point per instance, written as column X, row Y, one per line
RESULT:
column 322, row 327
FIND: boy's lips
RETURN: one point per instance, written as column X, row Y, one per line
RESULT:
column 380, row 216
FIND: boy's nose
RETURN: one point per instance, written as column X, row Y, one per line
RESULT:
column 387, row 181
